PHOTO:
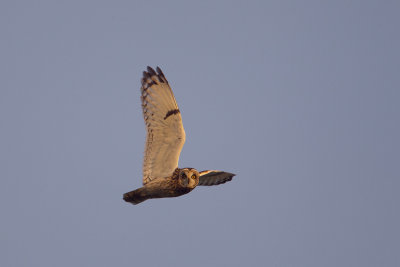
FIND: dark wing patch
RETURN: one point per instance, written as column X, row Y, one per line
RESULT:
column 213, row 177
column 171, row 112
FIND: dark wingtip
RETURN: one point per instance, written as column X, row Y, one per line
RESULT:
column 146, row 74
column 133, row 198
column 151, row 71
column 159, row 71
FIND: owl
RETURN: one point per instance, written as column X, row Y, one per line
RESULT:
column 164, row 141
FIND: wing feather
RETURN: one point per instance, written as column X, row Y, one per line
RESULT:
column 165, row 133
column 214, row 177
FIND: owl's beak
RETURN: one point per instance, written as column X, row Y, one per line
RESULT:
column 185, row 182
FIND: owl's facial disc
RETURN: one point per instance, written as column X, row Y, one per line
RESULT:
column 193, row 178
column 189, row 178
column 183, row 179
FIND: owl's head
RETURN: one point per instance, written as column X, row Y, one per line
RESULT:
column 188, row 178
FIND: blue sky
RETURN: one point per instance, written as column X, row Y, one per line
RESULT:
column 299, row 99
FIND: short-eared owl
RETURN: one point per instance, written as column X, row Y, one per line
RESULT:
column 164, row 142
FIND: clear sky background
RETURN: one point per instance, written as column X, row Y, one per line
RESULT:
column 299, row 98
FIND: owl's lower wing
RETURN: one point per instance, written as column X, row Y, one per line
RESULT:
column 214, row 177
column 165, row 134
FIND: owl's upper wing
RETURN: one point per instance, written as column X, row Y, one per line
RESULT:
column 165, row 133
column 214, row 177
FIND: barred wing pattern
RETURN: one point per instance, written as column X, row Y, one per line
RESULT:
column 214, row 177
column 165, row 133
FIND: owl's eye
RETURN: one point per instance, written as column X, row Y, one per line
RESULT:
column 183, row 175
column 193, row 176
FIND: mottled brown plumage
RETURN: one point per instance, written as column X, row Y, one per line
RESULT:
column 181, row 182
column 164, row 141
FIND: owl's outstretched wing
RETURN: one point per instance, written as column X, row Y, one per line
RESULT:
column 165, row 134
column 214, row 177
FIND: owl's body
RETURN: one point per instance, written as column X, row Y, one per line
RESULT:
column 173, row 186
column 164, row 141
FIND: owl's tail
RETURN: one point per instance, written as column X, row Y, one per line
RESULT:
column 136, row 196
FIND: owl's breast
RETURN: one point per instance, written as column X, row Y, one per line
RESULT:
column 165, row 187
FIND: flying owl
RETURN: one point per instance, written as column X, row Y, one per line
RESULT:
column 164, row 141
